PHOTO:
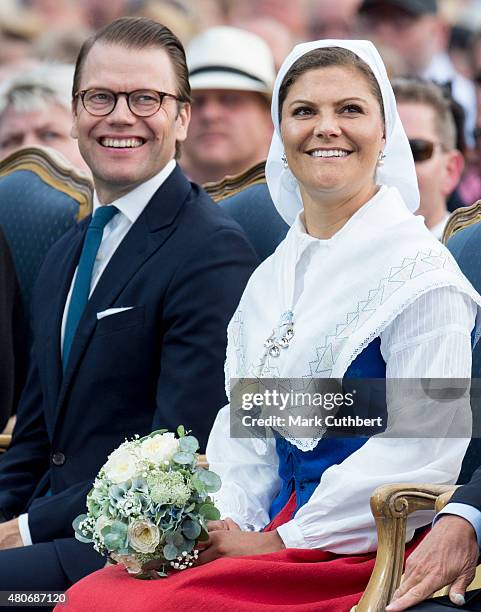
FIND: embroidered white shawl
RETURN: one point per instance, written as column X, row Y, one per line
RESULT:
column 379, row 263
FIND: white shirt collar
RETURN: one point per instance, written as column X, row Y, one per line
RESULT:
column 299, row 225
column 133, row 203
column 438, row 229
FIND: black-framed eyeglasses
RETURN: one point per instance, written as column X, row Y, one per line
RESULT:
column 141, row 102
column 422, row 149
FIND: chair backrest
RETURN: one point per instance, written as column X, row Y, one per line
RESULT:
column 41, row 197
column 246, row 198
column 462, row 236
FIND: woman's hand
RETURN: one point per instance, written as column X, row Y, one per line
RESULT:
column 226, row 524
column 227, row 542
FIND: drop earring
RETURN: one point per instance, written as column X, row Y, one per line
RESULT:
column 381, row 158
column 284, row 161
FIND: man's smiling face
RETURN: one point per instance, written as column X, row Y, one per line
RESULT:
column 121, row 149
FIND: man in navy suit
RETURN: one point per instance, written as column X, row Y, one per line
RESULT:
column 145, row 349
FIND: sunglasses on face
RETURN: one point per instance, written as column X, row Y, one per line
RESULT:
column 422, row 150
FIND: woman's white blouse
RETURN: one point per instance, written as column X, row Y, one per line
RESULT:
column 430, row 339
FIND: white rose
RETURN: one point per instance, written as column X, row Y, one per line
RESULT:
column 131, row 564
column 159, row 448
column 144, row 536
column 121, row 466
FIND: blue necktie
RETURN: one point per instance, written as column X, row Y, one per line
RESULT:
column 81, row 288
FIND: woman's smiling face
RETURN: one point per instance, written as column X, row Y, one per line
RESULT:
column 333, row 132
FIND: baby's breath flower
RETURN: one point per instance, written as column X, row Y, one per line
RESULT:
column 169, row 488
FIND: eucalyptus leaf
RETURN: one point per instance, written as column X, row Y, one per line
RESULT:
column 76, row 522
column 188, row 546
column 177, row 539
column 198, row 485
column 209, row 512
column 119, row 528
column 211, row 480
column 153, row 433
column 183, row 458
column 113, row 541
column 82, row 539
column 189, row 444
column 181, row 431
column 170, row 552
column 157, row 432
column 191, row 529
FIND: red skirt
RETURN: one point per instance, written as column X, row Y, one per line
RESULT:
column 288, row 580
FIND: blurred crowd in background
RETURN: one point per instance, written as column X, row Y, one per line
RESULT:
column 231, row 127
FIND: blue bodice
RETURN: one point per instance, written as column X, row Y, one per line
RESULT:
column 301, row 470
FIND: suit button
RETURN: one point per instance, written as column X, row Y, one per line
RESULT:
column 58, row 459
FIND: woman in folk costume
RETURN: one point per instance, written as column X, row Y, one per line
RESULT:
column 359, row 288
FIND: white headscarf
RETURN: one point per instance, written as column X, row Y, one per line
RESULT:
column 398, row 169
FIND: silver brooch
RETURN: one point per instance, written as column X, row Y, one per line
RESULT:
column 281, row 335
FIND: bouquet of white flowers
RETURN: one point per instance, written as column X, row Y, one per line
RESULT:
column 150, row 504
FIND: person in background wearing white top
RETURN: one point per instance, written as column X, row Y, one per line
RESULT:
column 428, row 121
column 358, row 288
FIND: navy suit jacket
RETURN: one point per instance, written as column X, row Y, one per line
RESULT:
column 182, row 268
column 470, row 493
column 465, row 245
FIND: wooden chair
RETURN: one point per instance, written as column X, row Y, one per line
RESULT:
column 41, row 197
column 232, row 185
column 462, row 218
column 392, row 504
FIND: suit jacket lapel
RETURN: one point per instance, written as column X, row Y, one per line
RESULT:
column 60, row 285
column 144, row 238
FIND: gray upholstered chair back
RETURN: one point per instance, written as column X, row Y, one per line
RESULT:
column 247, row 199
column 41, row 197
column 463, row 238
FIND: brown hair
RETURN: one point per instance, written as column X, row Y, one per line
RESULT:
column 322, row 58
column 430, row 94
column 140, row 33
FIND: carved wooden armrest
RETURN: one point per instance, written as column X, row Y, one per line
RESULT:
column 443, row 499
column 391, row 505
column 10, row 425
column 5, row 440
column 202, row 461
column 230, row 185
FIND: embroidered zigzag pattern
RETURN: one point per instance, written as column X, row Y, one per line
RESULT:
column 398, row 276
